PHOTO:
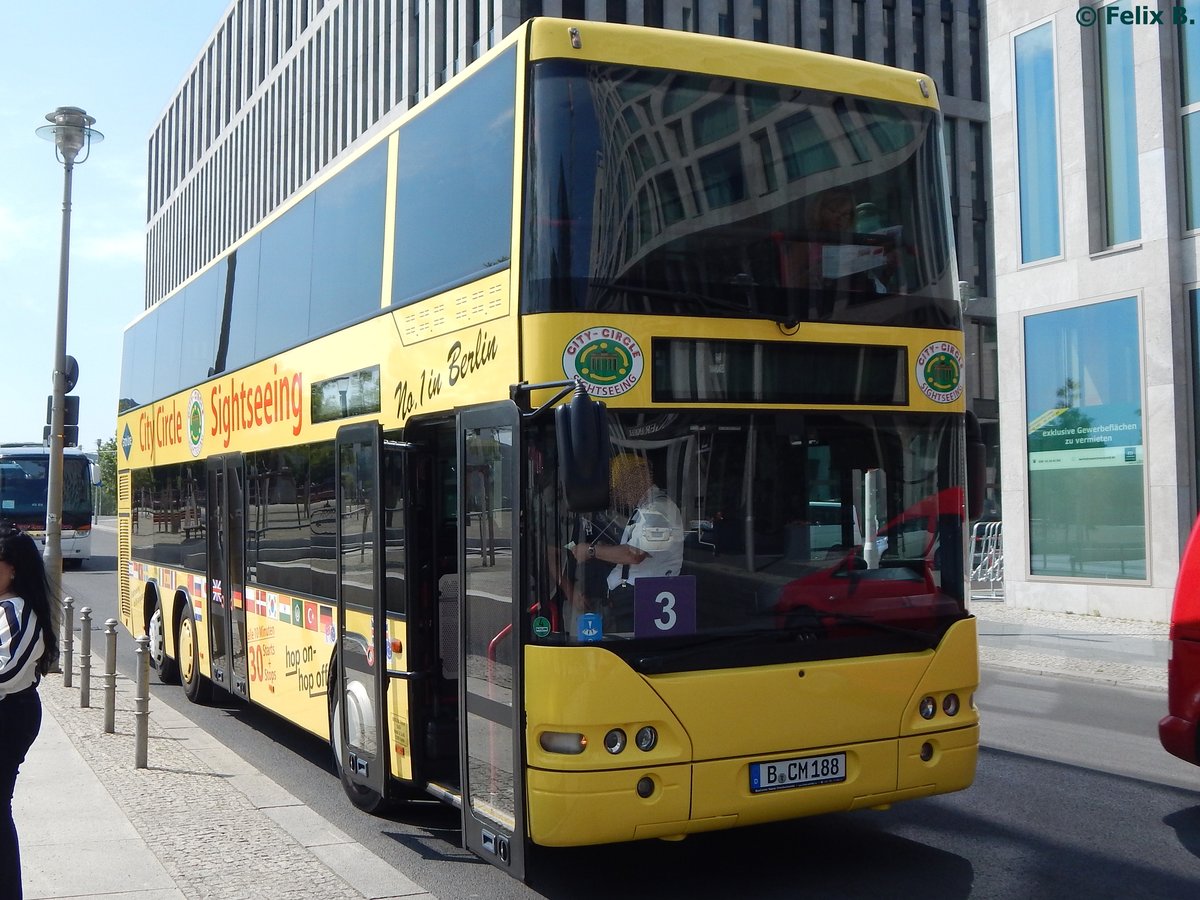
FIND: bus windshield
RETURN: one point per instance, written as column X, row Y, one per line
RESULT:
column 666, row 192
column 23, row 490
column 820, row 535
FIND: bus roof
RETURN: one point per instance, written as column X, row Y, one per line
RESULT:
column 663, row 48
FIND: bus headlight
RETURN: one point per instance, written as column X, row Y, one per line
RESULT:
column 646, row 738
column 927, row 708
column 615, row 741
column 950, row 705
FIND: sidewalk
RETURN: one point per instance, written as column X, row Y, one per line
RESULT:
column 198, row 822
column 202, row 823
column 1125, row 652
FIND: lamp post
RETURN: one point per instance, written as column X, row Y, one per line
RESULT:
column 70, row 130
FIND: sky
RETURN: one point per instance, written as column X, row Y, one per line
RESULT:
column 121, row 61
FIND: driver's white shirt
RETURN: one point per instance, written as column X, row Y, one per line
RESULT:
column 657, row 528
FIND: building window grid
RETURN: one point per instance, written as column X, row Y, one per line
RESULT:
column 355, row 89
column 975, row 48
column 858, row 29
column 948, row 45
column 1118, row 125
column 889, row 32
column 825, row 26
column 918, row 37
column 268, row 46
column 979, row 207
column 1037, row 143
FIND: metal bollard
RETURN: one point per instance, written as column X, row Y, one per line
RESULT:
column 68, row 638
column 141, row 703
column 85, row 657
column 110, row 676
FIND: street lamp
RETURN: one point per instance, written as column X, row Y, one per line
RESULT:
column 70, row 130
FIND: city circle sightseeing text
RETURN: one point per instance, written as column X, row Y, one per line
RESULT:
column 233, row 405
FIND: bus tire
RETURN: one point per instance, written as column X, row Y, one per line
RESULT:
column 197, row 688
column 363, row 798
column 167, row 668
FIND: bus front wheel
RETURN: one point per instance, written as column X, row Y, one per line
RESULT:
column 167, row 668
column 362, row 797
column 197, row 688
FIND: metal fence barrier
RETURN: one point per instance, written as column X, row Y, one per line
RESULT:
column 987, row 561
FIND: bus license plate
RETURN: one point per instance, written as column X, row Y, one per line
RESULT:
column 790, row 773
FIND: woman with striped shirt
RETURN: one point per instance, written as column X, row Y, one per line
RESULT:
column 28, row 648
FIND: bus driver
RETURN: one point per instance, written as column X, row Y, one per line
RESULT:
column 651, row 545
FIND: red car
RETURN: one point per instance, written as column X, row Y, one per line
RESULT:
column 902, row 591
column 1177, row 730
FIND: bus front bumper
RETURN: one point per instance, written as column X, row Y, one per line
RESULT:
column 578, row 808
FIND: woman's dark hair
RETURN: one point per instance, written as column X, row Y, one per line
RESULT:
column 21, row 552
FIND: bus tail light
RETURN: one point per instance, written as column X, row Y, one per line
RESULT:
column 570, row 743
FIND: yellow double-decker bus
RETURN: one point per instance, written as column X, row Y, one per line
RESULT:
column 353, row 490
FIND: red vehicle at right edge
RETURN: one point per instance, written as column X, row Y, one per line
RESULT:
column 1177, row 730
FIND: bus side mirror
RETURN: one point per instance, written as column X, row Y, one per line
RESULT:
column 976, row 467
column 95, row 474
column 583, row 450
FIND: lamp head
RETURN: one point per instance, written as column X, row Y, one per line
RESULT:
column 70, row 131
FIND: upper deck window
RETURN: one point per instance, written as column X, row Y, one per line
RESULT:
column 454, row 188
column 754, row 200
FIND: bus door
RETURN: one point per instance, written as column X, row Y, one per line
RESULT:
column 361, row 623
column 226, row 534
column 491, row 738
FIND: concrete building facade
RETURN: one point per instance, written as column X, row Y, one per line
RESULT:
column 1095, row 173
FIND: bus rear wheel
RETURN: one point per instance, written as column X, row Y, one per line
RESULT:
column 197, row 688
column 167, row 668
column 364, row 798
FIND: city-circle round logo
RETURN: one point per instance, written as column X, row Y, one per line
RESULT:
column 195, row 422
column 939, row 372
column 609, row 361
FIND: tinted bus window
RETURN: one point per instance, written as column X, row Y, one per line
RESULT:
column 651, row 192
column 170, row 339
column 137, row 363
column 201, row 322
column 239, row 331
column 347, row 273
column 167, row 515
column 454, row 194
column 284, row 281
